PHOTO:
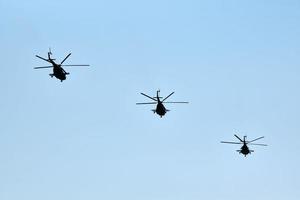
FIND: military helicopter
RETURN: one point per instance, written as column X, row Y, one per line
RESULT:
column 58, row 71
column 160, row 108
column 244, row 149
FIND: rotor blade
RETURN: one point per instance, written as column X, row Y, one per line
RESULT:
column 168, row 96
column 238, row 138
column 42, row 58
column 176, row 102
column 75, row 65
column 65, row 58
column 148, row 97
column 231, row 142
column 43, row 67
column 146, row 103
column 256, row 139
column 258, row 144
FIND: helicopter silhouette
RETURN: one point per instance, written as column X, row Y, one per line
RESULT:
column 160, row 108
column 245, row 149
column 58, row 71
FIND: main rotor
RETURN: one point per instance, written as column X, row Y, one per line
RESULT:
column 51, row 61
column 158, row 98
column 245, row 142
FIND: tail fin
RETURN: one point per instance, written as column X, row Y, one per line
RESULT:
column 49, row 54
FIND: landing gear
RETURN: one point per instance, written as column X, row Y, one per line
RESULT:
column 51, row 75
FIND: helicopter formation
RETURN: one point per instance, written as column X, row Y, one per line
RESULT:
column 160, row 109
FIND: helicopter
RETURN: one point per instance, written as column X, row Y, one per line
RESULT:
column 58, row 71
column 245, row 149
column 160, row 108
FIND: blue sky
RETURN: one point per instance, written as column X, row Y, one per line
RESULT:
column 236, row 62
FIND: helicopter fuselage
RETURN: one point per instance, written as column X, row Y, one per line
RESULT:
column 245, row 150
column 160, row 109
column 58, row 71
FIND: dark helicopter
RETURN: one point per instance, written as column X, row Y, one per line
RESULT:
column 245, row 149
column 58, row 71
column 160, row 108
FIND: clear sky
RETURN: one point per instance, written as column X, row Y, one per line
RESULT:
column 236, row 62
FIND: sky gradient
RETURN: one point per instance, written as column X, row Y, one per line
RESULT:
column 236, row 62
